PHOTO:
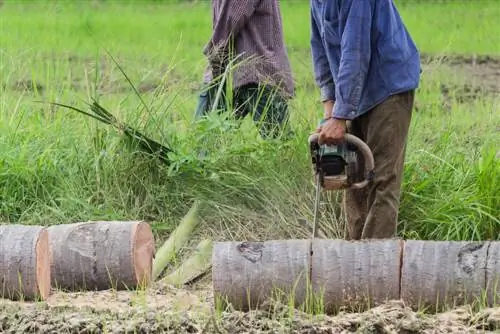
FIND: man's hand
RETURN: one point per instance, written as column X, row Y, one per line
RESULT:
column 327, row 112
column 332, row 132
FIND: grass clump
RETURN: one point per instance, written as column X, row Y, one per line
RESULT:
column 57, row 166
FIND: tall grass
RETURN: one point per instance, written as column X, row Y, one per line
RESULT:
column 57, row 166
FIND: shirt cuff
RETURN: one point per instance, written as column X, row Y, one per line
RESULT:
column 344, row 111
column 327, row 92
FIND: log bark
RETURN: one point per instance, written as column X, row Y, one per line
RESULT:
column 101, row 255
column 246, row 274
column 493, row 274
column 355, row 274
column 24, row 262
column 438, row 274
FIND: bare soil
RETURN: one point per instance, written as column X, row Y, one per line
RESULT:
column 482, row 74
column 170, row 310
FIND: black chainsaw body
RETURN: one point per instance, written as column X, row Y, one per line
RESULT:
column 337, row 160
column 349, row 164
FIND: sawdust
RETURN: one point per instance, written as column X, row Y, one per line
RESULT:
column 165, row 309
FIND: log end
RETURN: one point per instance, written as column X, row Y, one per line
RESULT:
column 43, row 264
column 143, row 246
column 24, row 262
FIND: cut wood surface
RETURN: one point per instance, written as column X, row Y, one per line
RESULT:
column 245, row 274
column 355, row 273
column 443, row 273
column 493, row 274
column 24, row 262
column 101, row 255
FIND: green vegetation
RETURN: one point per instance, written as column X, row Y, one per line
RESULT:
column 57, row 166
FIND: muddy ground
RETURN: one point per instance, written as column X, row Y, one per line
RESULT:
column 171, row 310
column 479, row 75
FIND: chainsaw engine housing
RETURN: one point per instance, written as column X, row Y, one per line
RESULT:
column 336, row 165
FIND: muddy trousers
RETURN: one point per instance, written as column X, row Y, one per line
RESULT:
column 372, row 212
column 269, row 109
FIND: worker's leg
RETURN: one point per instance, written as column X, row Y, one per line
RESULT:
column 355, row 202
column 207, row 99
column 202, row 107
column 269, row 110
column 386, row 131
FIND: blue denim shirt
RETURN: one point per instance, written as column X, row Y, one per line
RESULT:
column 362, row 53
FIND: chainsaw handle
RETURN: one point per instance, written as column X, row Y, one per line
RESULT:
column 365, row 150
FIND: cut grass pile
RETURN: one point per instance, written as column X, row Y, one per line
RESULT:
column 57, row 166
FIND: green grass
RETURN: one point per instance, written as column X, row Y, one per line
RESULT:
column 57, row 166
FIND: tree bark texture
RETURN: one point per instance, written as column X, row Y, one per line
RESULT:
column 493, row 274
column 357, row 274
column 24, row 262
column 245, row 274
column 101, row 255
column 438, row 274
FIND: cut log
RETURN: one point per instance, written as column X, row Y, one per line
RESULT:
column 355, row 274
column 246, row 274
column 440, row 274
column 24, row 262
column 195, row 266
column 493, row 274
column 101, row 255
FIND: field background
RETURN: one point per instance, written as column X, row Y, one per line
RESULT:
column 57, row 166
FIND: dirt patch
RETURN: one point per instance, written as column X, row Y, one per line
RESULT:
column 81, row 73
column 27, row 86
column 482, row 73
column 169, row 310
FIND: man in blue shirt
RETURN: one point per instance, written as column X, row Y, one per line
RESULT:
column 367, row 68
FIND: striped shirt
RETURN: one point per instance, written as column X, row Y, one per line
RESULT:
column 255, row 29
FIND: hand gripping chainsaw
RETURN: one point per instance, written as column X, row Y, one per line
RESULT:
column 337, row 167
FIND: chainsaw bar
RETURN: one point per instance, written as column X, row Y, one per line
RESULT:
column 316, row 207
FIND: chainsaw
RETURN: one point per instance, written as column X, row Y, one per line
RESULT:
column 338, row 167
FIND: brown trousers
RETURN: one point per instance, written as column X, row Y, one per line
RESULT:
column 372, row 212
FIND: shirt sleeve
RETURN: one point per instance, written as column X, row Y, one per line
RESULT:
column 234, row 14
column 322, row 73
column 355, row 60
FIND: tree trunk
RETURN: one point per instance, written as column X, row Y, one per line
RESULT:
column 24, row 262
column 438, row 274
column 101, row 255
column 359, row 274
column 246, row 274
column 493, row 274
column 355, row 274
